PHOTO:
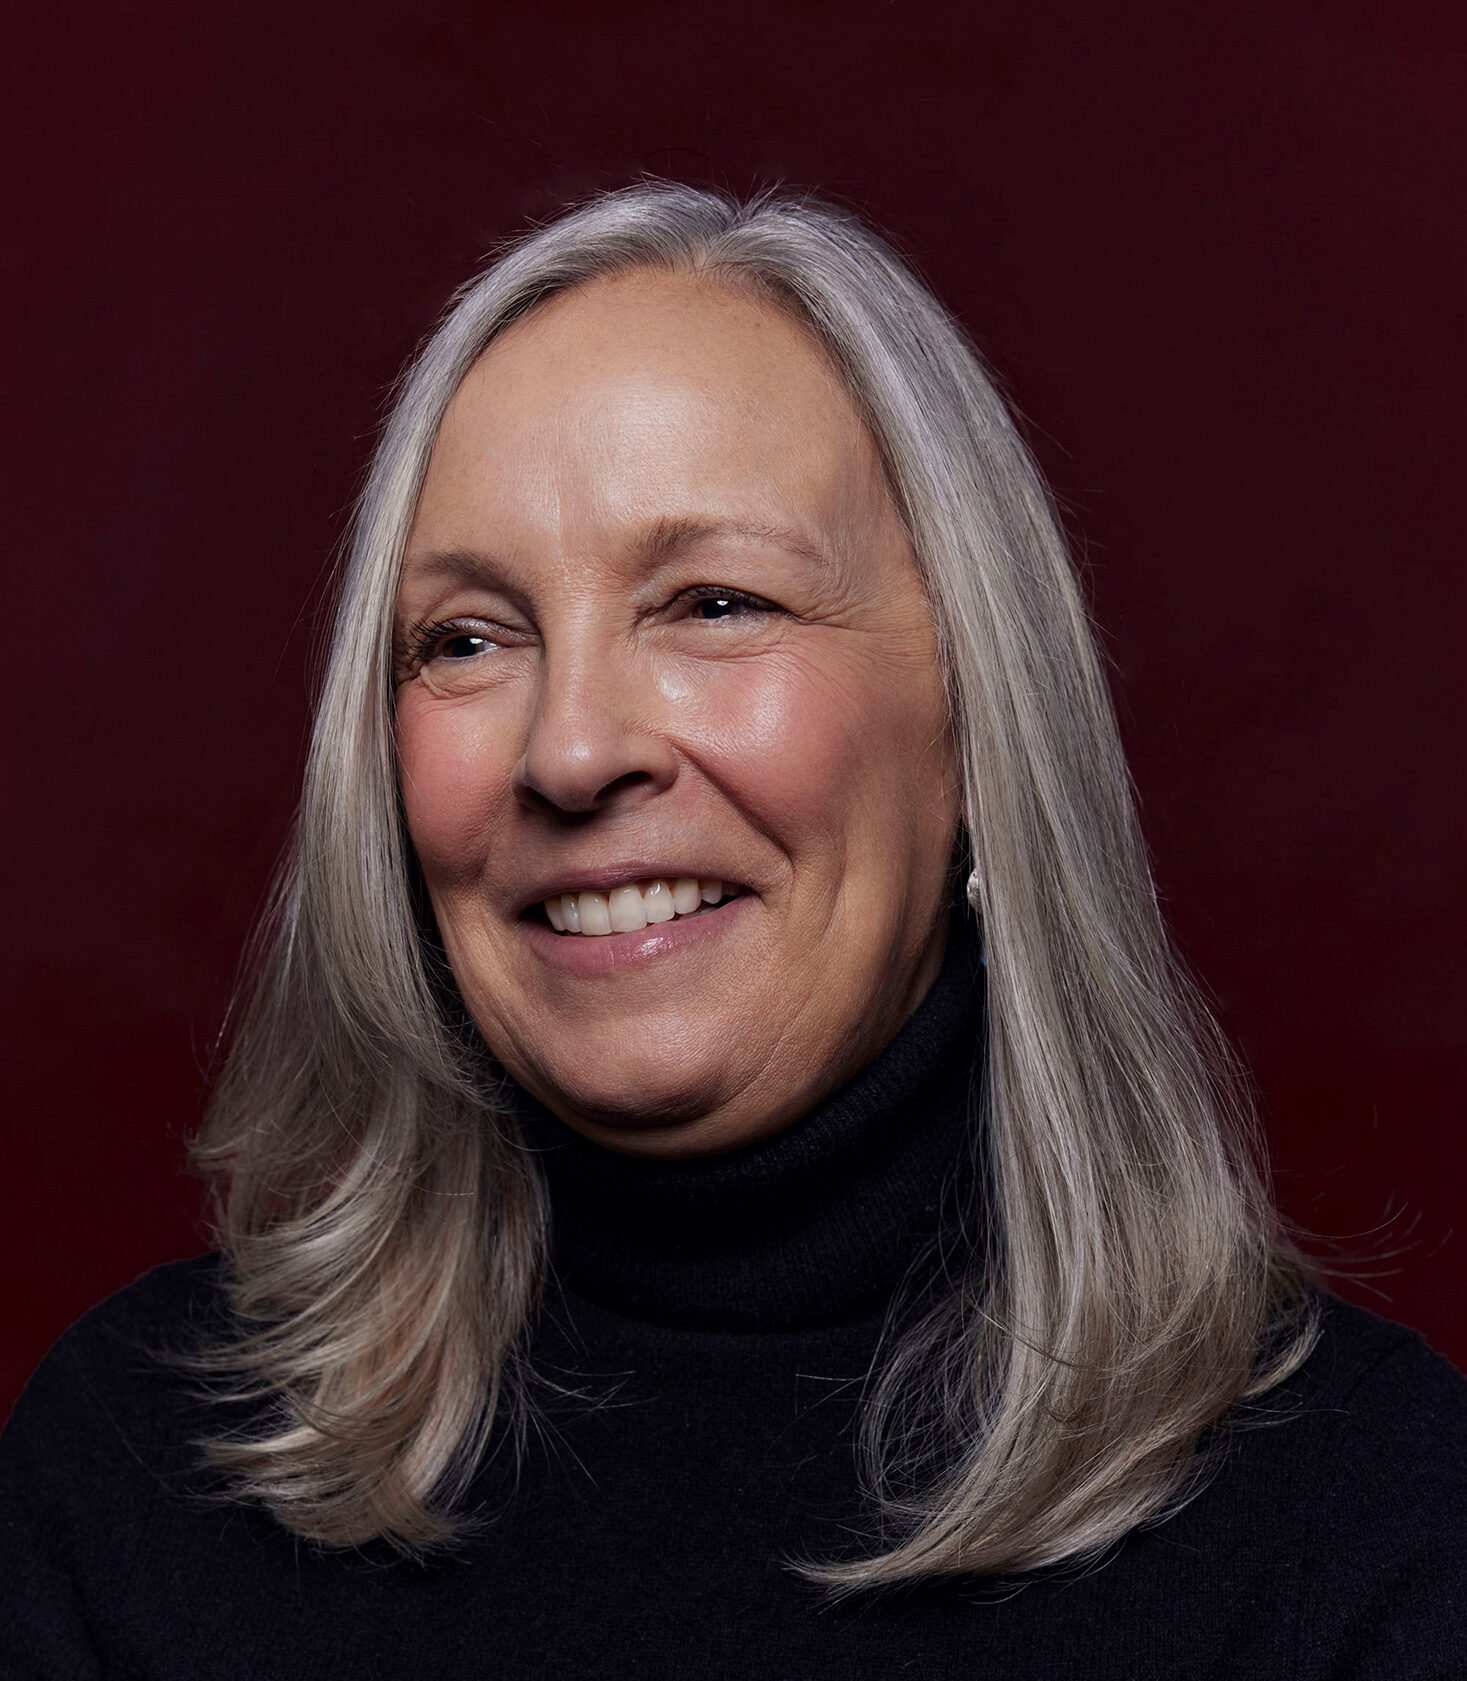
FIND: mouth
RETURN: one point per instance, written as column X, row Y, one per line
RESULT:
column 631, row 908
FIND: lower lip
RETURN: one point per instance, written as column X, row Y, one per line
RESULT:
column 613, row 954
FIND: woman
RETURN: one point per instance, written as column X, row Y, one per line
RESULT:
column 719, row 1134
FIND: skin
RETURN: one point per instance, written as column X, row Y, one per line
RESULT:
column 577, row 477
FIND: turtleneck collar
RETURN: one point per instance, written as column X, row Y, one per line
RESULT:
column 813, row 1225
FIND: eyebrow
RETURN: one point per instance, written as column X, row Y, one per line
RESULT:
column 669, row 537
column 663, row 541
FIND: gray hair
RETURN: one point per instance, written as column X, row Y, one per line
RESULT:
column 387, row 1230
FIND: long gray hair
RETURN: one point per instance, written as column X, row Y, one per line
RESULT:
column 387, row 1231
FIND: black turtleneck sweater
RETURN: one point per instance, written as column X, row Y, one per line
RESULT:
column 710, row 1325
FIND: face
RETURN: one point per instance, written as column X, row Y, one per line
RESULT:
column 659, row 624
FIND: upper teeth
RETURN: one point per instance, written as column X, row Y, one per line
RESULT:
column 625, row 909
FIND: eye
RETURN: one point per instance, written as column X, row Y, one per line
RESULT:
column 451, row 641
column 461, row 645
column 726, row 603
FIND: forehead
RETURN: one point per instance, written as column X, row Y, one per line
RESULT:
column 649, row 395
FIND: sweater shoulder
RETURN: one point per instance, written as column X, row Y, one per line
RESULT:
column 160, row 1301
column 1369, row 1502
column 1386, row 1413
column 118, row 1368
column 162, row 1307
column 100, row 1445
column 1372, row 1368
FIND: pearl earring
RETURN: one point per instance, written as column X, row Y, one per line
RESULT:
column 975, row 900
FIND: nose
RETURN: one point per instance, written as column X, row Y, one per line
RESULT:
column 595, row 731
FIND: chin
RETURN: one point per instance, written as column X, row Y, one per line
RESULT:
column 640, row 1100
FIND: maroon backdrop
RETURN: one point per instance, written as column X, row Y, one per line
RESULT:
column 1215, row 255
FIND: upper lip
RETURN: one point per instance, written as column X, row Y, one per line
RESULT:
column 601, row 878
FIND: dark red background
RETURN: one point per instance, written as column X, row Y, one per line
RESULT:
column 1215, row 254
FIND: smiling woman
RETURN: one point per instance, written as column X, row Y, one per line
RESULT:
column 719, row 1128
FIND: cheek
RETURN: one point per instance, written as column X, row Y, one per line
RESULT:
column 453, row 782
column 782, row 735
column 822, row 750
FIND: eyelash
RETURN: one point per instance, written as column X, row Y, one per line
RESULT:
column 423, row 639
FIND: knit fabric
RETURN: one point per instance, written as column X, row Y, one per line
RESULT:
column 701, row 1353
